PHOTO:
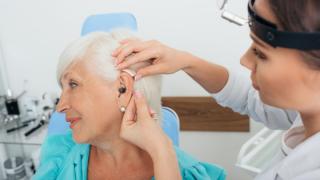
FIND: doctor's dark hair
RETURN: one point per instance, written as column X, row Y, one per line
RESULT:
column 299, row 16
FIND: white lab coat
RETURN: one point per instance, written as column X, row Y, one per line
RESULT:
column 297, row 159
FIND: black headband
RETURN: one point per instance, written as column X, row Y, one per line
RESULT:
column 268, row 32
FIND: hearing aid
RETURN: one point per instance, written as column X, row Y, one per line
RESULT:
column 122, row 89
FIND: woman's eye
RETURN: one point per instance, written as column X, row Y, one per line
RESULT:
column 259, row 54
column 72, row 84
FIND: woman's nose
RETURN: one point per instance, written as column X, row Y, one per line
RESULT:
column 62, row 105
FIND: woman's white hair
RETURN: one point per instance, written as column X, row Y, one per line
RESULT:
column 97, row 48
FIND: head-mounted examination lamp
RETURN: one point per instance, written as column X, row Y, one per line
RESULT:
column 269, row 33
column 228, row 15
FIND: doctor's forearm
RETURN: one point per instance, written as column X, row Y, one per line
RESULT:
column 211, row 77
column 165, row 163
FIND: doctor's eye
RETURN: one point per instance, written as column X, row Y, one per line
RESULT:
column 259, row 54
column 72, row 84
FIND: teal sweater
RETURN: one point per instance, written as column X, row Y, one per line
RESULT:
column 63, row 159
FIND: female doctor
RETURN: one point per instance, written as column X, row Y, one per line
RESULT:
column 284, row 93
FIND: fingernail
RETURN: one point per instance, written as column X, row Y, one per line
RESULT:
column 119, row 66
column 116, row 65
column 137, row 77
column 115, row 61
column 137, row 94
column 152, row 111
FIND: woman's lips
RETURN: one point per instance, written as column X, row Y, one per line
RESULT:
column 73, row 121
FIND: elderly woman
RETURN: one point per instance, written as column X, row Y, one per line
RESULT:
column 102, row 105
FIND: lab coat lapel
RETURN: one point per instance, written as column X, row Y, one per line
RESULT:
column 302, row 160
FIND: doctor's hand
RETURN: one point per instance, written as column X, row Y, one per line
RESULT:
column 140, row 128
column 164, row 60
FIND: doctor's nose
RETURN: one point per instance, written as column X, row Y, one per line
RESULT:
column 248, row 61
column 62, row 105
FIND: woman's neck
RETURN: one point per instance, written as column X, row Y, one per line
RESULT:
column 118, row 159
column 119, row 153
column 311, row 122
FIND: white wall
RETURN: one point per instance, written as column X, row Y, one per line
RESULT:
column 34, row 32
column 3, row 73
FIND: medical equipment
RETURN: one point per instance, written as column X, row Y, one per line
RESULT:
column 40, row 124
column 12, row 106
column 13, row 133
column 256, row 154
column 270, row 34
column 24, row 124
column 229, row 16
column 122, row 89
column 11, row 114
column 15, row 168
column 42, row 119
column 17, row 128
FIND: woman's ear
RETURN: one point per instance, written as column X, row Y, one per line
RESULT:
column 125, row 89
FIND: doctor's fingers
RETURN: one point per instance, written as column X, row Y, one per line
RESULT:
column 149, row 53
column 143, row 112
column 127, row 49
column 155, row 69
column 123, row 42
column 129, row 116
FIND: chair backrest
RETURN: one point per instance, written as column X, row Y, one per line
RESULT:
column 171, row 124
column 107, row 22
column 58, row 124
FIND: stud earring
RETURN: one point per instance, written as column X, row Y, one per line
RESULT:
column 122, row 109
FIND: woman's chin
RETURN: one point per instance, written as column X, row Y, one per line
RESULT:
column 78, row 139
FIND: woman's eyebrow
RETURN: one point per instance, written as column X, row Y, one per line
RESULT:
column 65, row 75
column 73, row 76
